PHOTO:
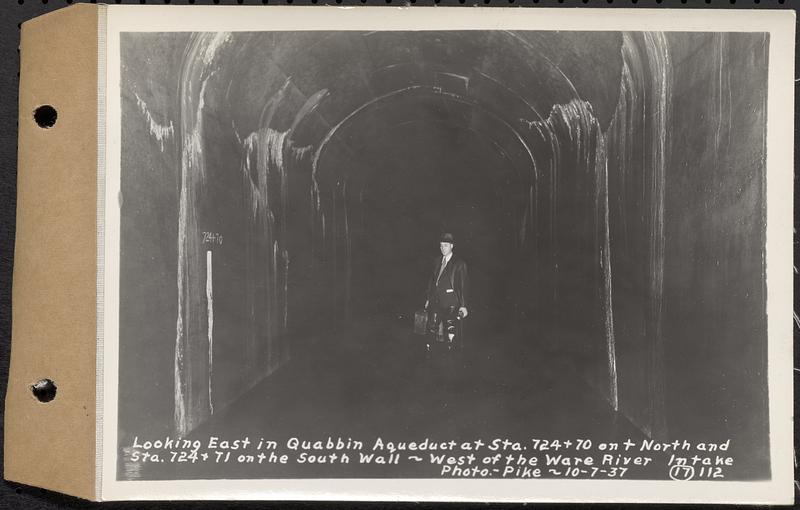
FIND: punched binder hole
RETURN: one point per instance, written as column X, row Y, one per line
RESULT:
column 44, row 390
column 45, row 116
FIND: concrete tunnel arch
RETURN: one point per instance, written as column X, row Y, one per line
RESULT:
column 599, row 157
column 657, row 174
column 206, row 82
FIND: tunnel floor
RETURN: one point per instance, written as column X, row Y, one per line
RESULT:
column 375, row 380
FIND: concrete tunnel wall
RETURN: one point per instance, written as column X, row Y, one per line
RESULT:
column 615, row 154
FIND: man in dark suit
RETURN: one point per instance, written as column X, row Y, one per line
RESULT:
column 447, row 290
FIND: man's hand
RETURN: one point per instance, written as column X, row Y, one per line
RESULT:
column 463, row 312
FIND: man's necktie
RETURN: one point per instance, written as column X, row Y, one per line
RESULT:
column 441, row 270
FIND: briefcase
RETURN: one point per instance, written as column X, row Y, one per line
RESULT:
column 421, row 322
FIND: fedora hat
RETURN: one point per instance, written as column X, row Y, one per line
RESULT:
column 447, row 237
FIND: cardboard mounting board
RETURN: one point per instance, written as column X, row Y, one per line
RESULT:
column 52, row 445
column 58, row 322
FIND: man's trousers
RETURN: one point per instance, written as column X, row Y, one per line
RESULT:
column 444, row 326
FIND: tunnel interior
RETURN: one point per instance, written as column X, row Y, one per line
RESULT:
column 418, row 169
column 314, row 171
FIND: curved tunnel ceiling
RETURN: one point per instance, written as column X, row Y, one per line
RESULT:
column 514, row 76
column 370, row 128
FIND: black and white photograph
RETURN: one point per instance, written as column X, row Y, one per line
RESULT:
column 490, row 253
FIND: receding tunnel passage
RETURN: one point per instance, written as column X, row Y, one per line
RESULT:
column 605, row 190
column 411, row 167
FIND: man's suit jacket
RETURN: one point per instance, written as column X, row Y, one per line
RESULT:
column 452, row 286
